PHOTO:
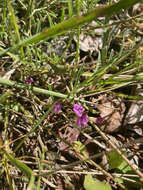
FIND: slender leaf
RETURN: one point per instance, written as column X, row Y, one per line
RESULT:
column 23, row 167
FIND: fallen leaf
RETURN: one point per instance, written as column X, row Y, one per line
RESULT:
column 70, row 135
column 135, row 113
column 111, row 110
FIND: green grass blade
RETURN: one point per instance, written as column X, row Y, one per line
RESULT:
column 74, row 22
column 104, row 69
column 23, row 167
column 70, row 9
column 36, row 125
column 14, row 25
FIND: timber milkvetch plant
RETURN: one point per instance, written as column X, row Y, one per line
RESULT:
column 82, row 118
column 58, row 29
column 28, row 81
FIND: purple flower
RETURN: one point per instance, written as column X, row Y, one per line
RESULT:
column 57, row 107
column 28, row 81
column 99, row 120
column 78, row 110
column 82, row 121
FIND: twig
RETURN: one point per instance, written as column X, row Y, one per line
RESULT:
column 138, row 172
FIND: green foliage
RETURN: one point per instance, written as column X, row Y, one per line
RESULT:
column 115, row 161
column 4, row 97
column 73, row 23
column 23, row 167
column 91, row 184
column 119, row 165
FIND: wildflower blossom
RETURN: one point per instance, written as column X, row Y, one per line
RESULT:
column 99, row 120
column 57, row 107
column 78, row 110
column 82, row 121
column 28, row 81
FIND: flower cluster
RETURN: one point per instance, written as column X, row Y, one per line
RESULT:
column 28, row 81
column 56, row 108
column 82, row 118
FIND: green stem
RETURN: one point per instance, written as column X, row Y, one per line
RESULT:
column 34, row 89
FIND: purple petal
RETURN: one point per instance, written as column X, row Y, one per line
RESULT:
column 78, row 110
column 57, row 107
column 79, row 121
column 82, row 121
column 28, row 81
column 99, row 120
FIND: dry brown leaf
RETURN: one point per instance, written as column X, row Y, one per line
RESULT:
column 135, row 113
column 111, row 110
column 8, row 74
column 70, row 135
column 89, row 43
